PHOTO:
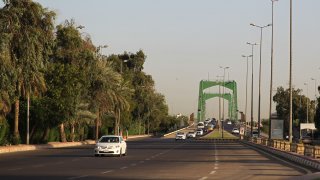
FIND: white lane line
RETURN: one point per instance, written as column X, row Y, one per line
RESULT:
column 107, row 172
column 78, row 177
column 125, row 167
column 57, row 163
column 141, row 162
column 37, row 166
column 216, row 168
column 147, row 159
column 133, row 164
column 14, row 169
column 212, row 172
column 203, row 178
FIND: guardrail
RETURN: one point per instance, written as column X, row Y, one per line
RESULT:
column 298, row 148
column 306, row 155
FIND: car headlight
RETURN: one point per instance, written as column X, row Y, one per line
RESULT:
column 97, row 147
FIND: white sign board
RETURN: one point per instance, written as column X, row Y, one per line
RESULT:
column 276, row 129
column 307, row 126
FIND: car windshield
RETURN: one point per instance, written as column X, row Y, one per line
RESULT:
column 109, row 140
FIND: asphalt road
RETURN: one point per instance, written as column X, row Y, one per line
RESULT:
column 153, row 158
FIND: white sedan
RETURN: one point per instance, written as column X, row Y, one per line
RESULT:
column 235, row 131
column 191, row 134
column 110, row 145
column 180, row 135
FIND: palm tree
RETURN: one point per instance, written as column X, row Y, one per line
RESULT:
column 30, row 31
column 122, row 93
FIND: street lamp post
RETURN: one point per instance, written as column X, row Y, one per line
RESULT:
column 223, row 92
column 315, row 94
column 315, row 87
column 219, row 101
column 251, row 123
column 271, row 74
column 290, row 76
column 307, row 101
column 259, row 105
column 245, row 117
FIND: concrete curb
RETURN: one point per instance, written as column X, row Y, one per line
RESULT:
column 302, row 160
column 50, row 145
column 177, row 130
column 138, row 136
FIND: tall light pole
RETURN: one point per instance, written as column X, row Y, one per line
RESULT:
column 246, row 112
column 259, row 105
column 223, row 92
column 307, row 101
column 271, row 74
column 251, row 123
column 219, row 121
column 315, row 95
column 290, row 76
column 315, row 87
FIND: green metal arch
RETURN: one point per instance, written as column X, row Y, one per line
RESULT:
column 203, row 97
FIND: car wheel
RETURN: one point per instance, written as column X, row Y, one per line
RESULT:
column 126, row 152
column 96, row 155
column 120, row 154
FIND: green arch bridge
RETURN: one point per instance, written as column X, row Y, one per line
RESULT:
column 230, row 97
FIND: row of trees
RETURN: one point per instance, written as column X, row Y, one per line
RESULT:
column 302, row 107
column 54, row 79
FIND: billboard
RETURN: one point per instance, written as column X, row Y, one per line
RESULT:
column 276, row 129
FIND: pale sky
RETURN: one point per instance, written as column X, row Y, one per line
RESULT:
column 185, row 40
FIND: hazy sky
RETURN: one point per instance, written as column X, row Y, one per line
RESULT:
column 187, row 40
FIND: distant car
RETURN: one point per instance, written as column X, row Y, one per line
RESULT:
column 235, row 131
column 229, row 122
column 199, row 132
column 110, row 145
column 191, row 134
column 200, row 125
column 180, row 135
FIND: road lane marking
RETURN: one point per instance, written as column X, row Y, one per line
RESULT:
column 133, row 164
column 212, row 172
column 216, row 168
column 125, row 167
column 14, row 169
column 57, row 163
column 147, row 159
column 78, row 177
column 141, row 162
column 203, row 178
column 37, row 166
column 107, row 172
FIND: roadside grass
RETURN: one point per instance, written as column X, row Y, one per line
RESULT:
column 216, row 134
